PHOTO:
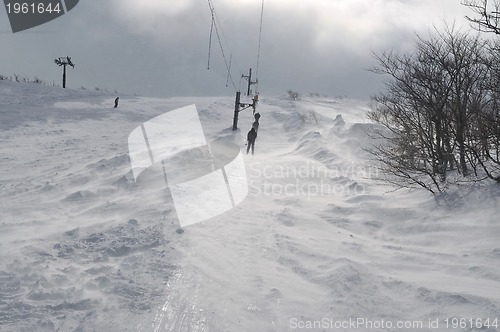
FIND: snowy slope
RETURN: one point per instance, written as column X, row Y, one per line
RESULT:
column 317, row 240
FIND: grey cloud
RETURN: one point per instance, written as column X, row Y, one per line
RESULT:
column 305, row 46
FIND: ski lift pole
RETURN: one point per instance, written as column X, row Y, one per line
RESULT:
column 236, row 110
column 239, row 106
column 250, row 82
column 64, row 76
column 64, row 61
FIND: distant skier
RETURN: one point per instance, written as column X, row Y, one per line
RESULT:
column 255, row 126
column 252, row 135
column 116, row 101
column 257, row 117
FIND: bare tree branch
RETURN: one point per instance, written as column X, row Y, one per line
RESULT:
column 487, row 17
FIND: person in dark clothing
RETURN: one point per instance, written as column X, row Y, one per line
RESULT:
column 255, row 126
column 252, row 135
column 116, row 101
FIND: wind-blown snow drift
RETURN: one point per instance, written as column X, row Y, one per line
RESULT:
column 85, row 248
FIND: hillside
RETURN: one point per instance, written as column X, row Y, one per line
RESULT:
column 318, row 238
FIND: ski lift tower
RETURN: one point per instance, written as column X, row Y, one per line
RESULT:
column 250, row 82
column 64, row 61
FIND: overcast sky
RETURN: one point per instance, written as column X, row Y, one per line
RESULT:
column 160, row 47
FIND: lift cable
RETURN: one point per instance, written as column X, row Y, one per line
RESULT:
column 216, row 26
column 258, row 49
column 210, row 41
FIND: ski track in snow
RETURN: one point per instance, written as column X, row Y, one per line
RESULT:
column 84, row 248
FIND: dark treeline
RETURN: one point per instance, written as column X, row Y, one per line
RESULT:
column 441, row 106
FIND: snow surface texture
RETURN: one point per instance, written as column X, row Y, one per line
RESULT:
column 85, row 248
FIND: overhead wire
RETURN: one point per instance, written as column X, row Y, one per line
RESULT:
column 230, row 61
column 216, row 25
column 210, row 40
column 258, row 49
column 226, row 41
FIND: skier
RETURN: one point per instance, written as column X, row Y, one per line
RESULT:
column 116, row 101
column 255, row 126
column 252, row 135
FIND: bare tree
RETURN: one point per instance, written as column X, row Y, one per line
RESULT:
column 293, row 95
column 487, row 15
column 440, row 107
column 485, row 143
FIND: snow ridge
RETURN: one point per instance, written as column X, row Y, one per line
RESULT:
column 86, row 248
